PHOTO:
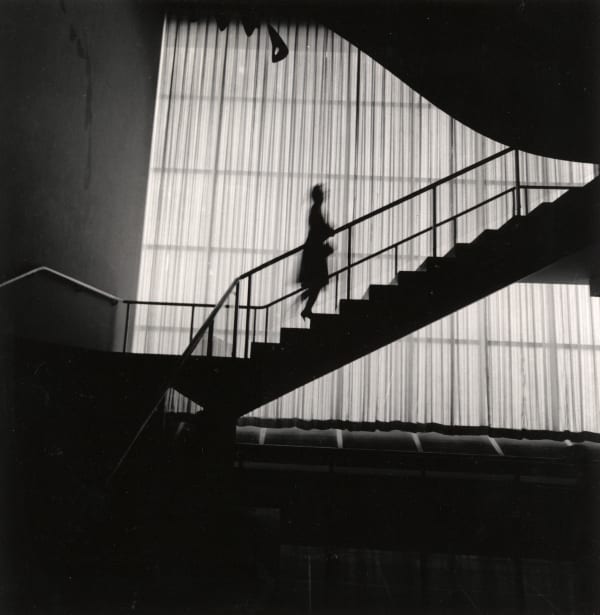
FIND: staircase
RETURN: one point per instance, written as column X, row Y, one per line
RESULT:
column 525, row 244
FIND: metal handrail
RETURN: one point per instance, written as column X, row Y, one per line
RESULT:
column 208, row 325
column 380, row 210
column 82, row 285
column 346, row 227
column 195, row 339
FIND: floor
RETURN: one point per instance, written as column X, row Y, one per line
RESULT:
column 363, row 581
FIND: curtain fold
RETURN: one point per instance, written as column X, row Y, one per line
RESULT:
column 238, row 143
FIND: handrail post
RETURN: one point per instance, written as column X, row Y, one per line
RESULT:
column 349, row 263
column 517, row 184
column 209, row 343
column 126, row 328
column 248, row 303
column 266, row 322
column 434, row 220
column 192, row 324
column 235, row 319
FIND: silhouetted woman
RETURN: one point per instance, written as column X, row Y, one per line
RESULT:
column 313, row 274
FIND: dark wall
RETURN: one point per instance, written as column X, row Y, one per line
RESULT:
column 79, row 84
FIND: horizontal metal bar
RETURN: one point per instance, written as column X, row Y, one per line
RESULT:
column 549, row 187
column 192, row 305
column 168, row 303
column 67, row 278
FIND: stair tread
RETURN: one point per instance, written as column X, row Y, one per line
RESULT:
column 260, row 349
column 381, row 292
column 437, row 263
column 459, row 248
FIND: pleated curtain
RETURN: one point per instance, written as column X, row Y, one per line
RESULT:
column 238, row 143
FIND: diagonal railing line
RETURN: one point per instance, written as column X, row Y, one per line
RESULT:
column 346, row 268
column 384, row 208
column 61, row 276
column 247, row 274
column 345, row 227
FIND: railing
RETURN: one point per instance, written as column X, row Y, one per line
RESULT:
column 57, row 274
column 246, row 322
column 230, row 329
column 242, row 331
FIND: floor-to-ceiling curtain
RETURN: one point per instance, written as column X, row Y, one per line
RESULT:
column 238, row 143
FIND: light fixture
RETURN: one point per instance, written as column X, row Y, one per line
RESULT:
column 250, row 25
column 279, row 48
column 222, row 22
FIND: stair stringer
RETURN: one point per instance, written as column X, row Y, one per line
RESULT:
column 494, row 260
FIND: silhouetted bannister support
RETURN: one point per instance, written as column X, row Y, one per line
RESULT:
column 248, row 302
column 517, row 191
column 349, row 261
column 126, row 332
column 235, row 318
column 434, row 222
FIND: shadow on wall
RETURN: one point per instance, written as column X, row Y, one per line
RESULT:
column 78, row 112
column 47, row 308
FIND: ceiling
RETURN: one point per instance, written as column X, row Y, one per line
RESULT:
column 523, row 72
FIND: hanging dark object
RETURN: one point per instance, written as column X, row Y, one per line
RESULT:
column 222, row 22
column 279, row 48
column 249, row 25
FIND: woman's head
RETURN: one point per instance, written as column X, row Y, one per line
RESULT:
column 317, row 193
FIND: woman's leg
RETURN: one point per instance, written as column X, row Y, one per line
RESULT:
column 311, row 297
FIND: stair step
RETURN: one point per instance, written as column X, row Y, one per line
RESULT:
column 355, row 308
column 393, row 302
column 383, row 293
column 292, row 337
column 461, row 250
column 261, row 350
column 325, row 323
column 570, row 196
column 511, row 229
column 487, row 237
column 438, row 264
column 512, row 223
column 489, row 247
column 541, row 209
column 392, row 296
column 409, row 280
